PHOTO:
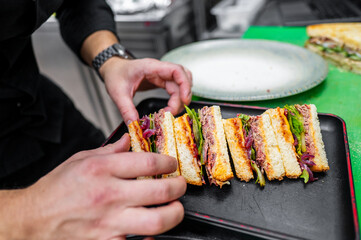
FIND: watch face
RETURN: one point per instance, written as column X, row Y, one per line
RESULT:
column 122, row 52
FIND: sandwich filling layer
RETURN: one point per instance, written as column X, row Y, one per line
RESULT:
column 215, row 151
column 250, row 148
column 304, row 110
column 160, row 138
column 328, row 45
column 209, row 156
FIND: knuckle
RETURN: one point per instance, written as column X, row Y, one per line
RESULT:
column 102, row 196
column 149, row 61
column 155, row 223
column 164, row 191
column 151, row 163
column 80, row 155
column 183, row 185
column 179, row 68
column 92, row 167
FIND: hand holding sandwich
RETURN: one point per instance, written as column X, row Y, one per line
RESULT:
column 124, row 77
column 92, row 195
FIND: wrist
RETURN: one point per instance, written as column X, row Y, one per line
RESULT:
column 116, row 50
column 14, row 213
column 96, row 43
column 113, row 64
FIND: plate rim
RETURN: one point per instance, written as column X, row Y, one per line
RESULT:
column 261, row 96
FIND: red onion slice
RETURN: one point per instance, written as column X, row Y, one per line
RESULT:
column 145, row 123
column 149, row 132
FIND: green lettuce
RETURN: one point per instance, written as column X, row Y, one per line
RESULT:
column 245, row 119
column 305, row 175
column 197, row 131
column 295, row 121
column 151, row 140
column 338, row 49
column 260, row 178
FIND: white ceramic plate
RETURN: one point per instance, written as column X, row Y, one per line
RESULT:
column 246, row 70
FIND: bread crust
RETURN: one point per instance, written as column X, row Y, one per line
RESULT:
column 273, row 164
column 169, row 148
column 187, row 160
column 342, row 33
column 137, row 141
column 236, row 144
column 285, row 142
column 320, row 158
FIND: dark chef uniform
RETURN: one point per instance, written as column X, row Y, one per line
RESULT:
column 39, row 126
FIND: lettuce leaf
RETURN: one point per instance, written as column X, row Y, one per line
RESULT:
column 245, row 119
column 305, row 175
column 197, row 131
column 260, row 178
column 151, row 140
column 295, row 121
column 338, row 49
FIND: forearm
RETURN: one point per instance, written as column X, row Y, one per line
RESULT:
column 12, row 214
column 95, row 43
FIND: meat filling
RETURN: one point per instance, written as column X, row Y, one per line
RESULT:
column 159, row 139
column 258, row 142
column 305, row 112
column 208, row 126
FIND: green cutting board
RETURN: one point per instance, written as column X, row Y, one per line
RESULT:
column 339, row 94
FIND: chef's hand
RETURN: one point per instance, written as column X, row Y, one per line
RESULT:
column 124, row 77
column 93, row 195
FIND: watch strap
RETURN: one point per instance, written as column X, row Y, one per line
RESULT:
column 114, row 50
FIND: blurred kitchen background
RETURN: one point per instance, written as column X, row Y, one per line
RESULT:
column 151, row 28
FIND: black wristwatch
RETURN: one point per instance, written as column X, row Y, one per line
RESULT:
column 114, row 50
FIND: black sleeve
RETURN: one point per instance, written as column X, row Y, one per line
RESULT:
column 80, row 18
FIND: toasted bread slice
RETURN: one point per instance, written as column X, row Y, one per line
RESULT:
column 285, row 142
column 217, row 165
column 267, row 151
column 236, row 144
column 165, row 140
column 138, row 142
column 187, row 154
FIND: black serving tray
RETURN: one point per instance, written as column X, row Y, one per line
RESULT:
column 289, row 209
